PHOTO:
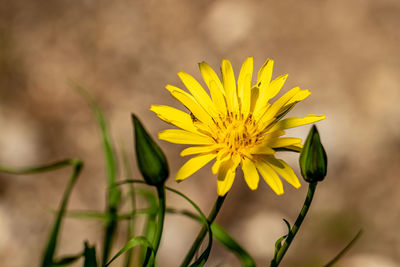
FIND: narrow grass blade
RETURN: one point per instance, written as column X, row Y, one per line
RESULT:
column 132, row 197
column 204, row 256
column 137, row 241
column 224, row 238
column 345, row 249
column 83, row 214
column 37, row 169
column 90, row 256
column 114, row 193
column 52, row 243
column 48, row 257
column 227, row 241
column 150, row 223
column 102, row 216
column 67, row 260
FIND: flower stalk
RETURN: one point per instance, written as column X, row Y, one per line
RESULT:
column 293, row 231
column 160, row 219
column 200, row 237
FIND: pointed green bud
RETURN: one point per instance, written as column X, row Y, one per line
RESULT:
column 151, row 160
column 313, row 159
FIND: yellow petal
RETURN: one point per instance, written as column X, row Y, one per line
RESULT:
column 262, row 149
column 226, row 175
column 198, row 149
column 284, row 170
column 301, row 95
column 254, row 97
column 184, row 137
column 273, row 134
column 283, row 141
column 193, row 165
column 250, row 173
column 190, row 103
column 265, row 73
column 209, row 75
column 277, row 105
column 215, row 166
column 222, row 156
column 294, row 122
column 174, row 116
column 246, row 98
column 270, row 177
column 296, row 147
column 275, row 86
column 223, row 186
column 244, row 85
column 263, row 79
column 198, row 92
column 218, row 98
column 268, row 92
column 228, row 78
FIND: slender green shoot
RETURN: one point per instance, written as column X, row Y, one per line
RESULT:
column 345, row 249
column 114, row 194
column 293, row 231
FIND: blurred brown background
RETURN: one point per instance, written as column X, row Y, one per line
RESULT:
column 125, row 52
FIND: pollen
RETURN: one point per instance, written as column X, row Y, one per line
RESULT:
column 236, row 133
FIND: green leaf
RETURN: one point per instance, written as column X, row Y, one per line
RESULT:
column 206, row 253
column 313, row 160
column 278, row 243
column 37, row 169
column 224, row 238
column 114, row 194
column 204, row 256
column 111, row 162
column 48, row 257
column 137, row 241
column 131, row 195
column 345, row 249
column 151, row 199
column 52, row 243
column 98, row 215
column 67, row 260
column 150, row 158
column 90, row 256
column 150, row 224
column 86, row 214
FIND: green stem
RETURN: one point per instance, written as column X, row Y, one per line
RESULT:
column 161, row 215
column 148, row 261
column 199, row 239
column 160, row 225
column 344, row 250
column 307, row 203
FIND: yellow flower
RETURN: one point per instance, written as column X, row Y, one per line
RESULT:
column 236, row 125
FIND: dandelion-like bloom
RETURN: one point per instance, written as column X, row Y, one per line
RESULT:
column 236, row 125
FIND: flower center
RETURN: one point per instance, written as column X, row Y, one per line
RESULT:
column 236, row 132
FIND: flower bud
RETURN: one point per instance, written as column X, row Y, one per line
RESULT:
column 313, row 159
column 151, row 160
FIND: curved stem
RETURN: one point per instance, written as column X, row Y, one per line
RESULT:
column 199, row 239
column 293, row 231
column 344, row 250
